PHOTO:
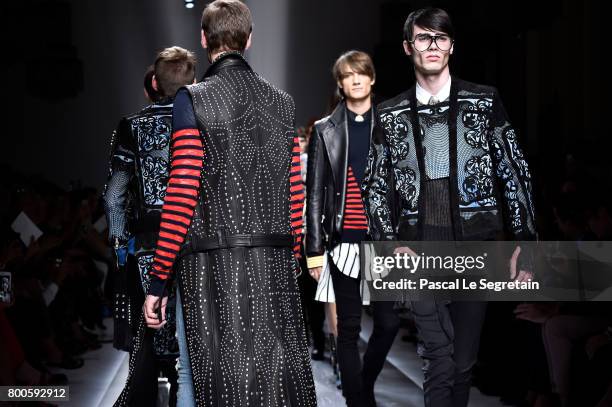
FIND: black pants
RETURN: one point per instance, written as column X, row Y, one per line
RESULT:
column 314, row 311
column 358, row 382
column 146, row 367
column 449, row 336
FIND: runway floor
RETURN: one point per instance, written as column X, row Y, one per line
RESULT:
column 100, row 380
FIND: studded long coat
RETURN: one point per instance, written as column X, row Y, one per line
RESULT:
column 244, row 329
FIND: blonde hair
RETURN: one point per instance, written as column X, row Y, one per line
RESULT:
column 359, row 62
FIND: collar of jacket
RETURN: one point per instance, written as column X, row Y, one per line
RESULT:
column 338, row 116
column 335, row 136
column 456, row 85
column 168, row 100
column 229, row 60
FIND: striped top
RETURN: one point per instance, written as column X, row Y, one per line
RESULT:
column 296, row 197
column 181, row 198
column 187, row 155
column 354, row 212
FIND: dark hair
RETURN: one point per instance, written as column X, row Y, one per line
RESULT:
column 174, row 68
column 148, row 84
column 227, row 25
column 430, row 18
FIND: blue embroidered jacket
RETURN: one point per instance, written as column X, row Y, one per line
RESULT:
column 138, row 174
column 489, row 180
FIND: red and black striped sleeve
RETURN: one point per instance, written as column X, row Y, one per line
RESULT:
column 296, row 197
column 354, row 212
column 187, row 153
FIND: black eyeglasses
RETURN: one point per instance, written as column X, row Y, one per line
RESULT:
column 422, row 42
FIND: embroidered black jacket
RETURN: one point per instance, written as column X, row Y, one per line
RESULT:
column 490, row 183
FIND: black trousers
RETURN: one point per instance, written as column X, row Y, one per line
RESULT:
column 146, row 368
column 449, row 337
column 314, row 311
column 357, row 380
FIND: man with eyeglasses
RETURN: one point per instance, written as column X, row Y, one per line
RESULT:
column 463, row 177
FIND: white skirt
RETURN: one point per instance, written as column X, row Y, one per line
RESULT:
column 346, row 258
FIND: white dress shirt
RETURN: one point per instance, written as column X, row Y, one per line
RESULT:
column 424, row 96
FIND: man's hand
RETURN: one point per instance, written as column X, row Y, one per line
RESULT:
column 315, row 272
column 151, row 304
column 537, row 313
column 522, row 274
column 405, row 249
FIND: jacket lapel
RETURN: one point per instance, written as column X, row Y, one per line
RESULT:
column 335, row 138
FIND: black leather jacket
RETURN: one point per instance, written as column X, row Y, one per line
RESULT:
column 326, row 181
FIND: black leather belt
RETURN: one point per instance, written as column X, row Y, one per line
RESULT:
column 223, row 241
